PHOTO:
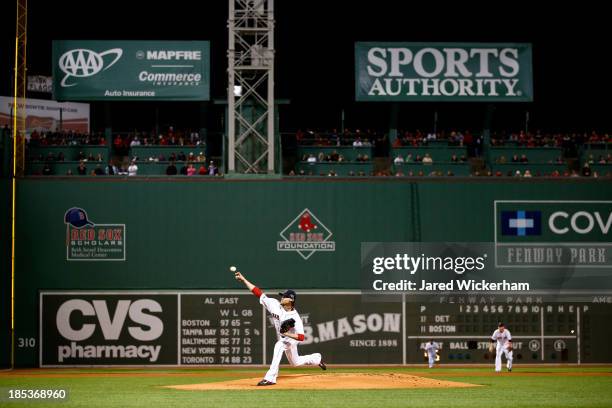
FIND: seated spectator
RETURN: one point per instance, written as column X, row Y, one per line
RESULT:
column 82, row 169
column 133, row 168
column 91, row 157
column 321, row 157
column 341, row 158
column 191, row 158
column 334, row 156
column 171, row 169
column 99, row 157
column 357, row 142
column 399, row 173
column 527, row 173
column 202, row 171
column 586, row 170
column 450, row 174
column 515, row 159
column 501, row 159
column 409, row 158
column 46, row 171
column 98, row 171
column 135, row 142
column 366, row 158
column 69, row 172
column 161, row 158
column 463, row 159
column 517, row 173
column 111, row 169
column 559, row 160
column 399, row 160
column 574, row 174
column 332, row 173
column 201, row 158
column 212, row 169
column 191, row 170
column 183, row 171
column 311, row 159
column 351, row 173
column 172, row 157
column 418, row 159
column 427, row 159
column 454, row 158
column 182, row 157
column 81, row 156
column 524, row 159
column 498, row 173
column 359, row 158
column 555, row 173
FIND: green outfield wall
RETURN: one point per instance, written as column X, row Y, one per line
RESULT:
column 183, row 235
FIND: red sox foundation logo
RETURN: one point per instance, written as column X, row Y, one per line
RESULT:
column 306, row 234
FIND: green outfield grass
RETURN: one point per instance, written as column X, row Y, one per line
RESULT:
column 524, row 387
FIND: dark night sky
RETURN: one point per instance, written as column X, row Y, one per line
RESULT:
column 315, row 61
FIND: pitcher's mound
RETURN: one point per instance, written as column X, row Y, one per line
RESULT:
column 344, row 381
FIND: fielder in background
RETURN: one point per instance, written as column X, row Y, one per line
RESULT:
column 431, row 349
column 503, row 338
column 289, row 330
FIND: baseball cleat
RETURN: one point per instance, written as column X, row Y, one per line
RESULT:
column 323, row 366
column 509, row 370
column 265, row 382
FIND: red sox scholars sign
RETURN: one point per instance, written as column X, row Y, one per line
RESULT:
column 306, row 234
column 87, row 241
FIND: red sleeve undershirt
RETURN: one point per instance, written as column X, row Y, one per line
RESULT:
column 300, row 337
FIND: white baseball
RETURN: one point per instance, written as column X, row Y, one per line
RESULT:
column 233, row 268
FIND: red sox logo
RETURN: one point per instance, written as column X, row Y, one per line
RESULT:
column 305, row 235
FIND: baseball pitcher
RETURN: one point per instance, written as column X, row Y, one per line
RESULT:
column 289, row 329
column 503, row 338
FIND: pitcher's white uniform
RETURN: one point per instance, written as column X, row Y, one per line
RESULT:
column 503, row 342
column 285, row 344
column 431, row 349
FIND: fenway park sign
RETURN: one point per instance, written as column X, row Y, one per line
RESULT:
column 443, row 72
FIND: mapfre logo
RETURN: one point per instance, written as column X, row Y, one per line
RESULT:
column 83, row 63
column 306, row 234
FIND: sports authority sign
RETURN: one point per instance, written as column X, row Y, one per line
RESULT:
column 306, row 234
column 87, row 241
column 443, row 72
column 131, row 70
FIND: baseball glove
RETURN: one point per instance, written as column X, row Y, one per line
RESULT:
column 287, row 325
column 491, row 347
column 509, row 346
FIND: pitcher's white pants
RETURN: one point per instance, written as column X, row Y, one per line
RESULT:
column 290, row 349
column 498, row 358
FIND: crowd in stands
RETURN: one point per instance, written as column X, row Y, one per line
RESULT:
column 332, row 157
column 425, row 159
column 418, row 138
column 569, row 142
column 335, row 138
column 65, row 138
column 171, row 137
